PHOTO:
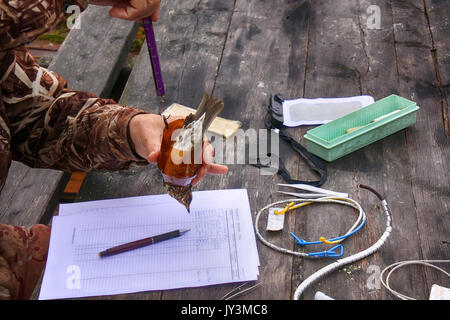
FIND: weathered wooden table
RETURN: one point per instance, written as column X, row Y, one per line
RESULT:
column 244, row 50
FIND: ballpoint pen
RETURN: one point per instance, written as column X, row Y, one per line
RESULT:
column 142, row 243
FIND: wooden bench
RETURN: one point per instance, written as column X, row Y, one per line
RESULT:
column 244, row 50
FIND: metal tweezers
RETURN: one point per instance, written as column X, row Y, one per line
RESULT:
column 315, row 192
column 240, row 290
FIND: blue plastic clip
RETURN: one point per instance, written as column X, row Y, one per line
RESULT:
column 301, row 242
column 330, row 252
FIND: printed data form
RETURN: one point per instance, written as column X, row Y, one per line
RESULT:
column 219, row 248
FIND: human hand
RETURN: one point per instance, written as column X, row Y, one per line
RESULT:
column 208, row 166
column 146, row 133
column 131, row 9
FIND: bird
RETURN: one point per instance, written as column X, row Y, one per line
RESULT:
column 181, row 154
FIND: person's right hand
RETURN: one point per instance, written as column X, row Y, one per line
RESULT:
column 131, row 9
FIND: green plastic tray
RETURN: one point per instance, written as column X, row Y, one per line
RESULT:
column 330, row 141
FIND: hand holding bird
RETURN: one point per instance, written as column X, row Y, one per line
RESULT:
column 154, row 139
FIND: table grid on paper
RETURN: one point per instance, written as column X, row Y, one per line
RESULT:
column 207, row 253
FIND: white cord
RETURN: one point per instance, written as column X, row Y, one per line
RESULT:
column 395, row 266
column 339, row 263
column 348, row 260
column 332, row 199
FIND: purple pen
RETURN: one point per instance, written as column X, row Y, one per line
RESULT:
column 153, row 52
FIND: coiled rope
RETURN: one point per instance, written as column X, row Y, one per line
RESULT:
column 297, row 203
column 351, row 259
column 395, row 266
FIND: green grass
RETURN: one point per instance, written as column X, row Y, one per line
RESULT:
column 138, row 41
column 57, row 35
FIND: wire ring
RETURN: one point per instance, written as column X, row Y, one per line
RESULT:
column 351, row 259
column 343, row 201
column 400, row 264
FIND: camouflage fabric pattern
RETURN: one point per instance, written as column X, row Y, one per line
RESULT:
column 23, row 253
column 46, row 125
column 22, row 21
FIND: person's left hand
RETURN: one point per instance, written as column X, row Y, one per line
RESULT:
column 146, row 132
column 131, row 9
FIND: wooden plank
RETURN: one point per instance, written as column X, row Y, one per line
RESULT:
column 91, row 57
column 438, row 19
column 390, row 174
column 90, row 60
column 190, row 37
column 386, row 165
column 74, row 185
column 28, row 195
column 265, row 54
column 333, row 69
column 347, row 58
column 427, row 145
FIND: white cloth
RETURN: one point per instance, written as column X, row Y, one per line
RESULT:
column 302, row 111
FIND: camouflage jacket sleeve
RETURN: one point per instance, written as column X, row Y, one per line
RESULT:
column 54, row 127
column 21, row 21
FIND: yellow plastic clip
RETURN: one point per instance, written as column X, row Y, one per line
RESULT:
column 324, row 240
column 290, row 207
column 286, row 209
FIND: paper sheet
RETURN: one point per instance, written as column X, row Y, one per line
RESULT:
column 220, row 247
column 275, row 222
